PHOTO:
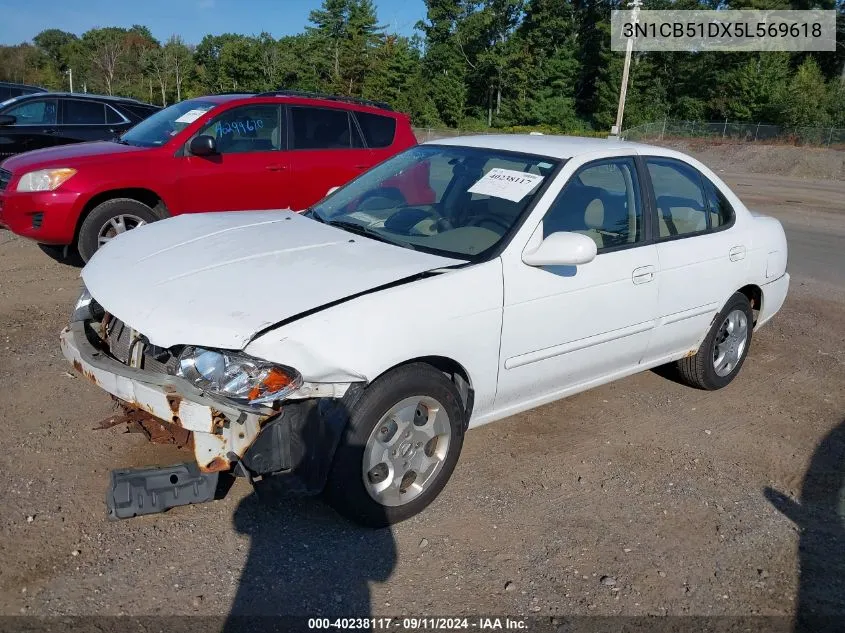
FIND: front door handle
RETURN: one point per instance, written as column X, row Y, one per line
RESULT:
column 51, row 130
column 737, row 253
column 276, row 167
column 643, row 274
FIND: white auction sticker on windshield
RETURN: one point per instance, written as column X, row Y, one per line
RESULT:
column 506, row 183
column 190, row 116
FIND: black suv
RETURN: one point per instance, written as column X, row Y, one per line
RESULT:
column 9, row 90
column 47, row 119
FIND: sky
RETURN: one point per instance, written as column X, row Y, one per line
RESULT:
column 20, row 20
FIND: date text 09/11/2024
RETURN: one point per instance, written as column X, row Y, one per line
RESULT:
column 420, row 623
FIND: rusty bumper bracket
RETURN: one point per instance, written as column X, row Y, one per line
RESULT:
column 138, row 491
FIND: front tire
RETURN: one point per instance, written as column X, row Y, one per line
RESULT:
column 109, row 219
column 402, row 442
column 723, row 350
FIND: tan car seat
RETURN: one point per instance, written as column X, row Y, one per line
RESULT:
column 594, row 219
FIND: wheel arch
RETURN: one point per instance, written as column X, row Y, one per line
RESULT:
column 139, row 194
column 755, row 297
column 457, row 374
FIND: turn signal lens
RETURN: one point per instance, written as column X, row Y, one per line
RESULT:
column 273, row 381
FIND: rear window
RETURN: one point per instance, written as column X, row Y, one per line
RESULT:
column 113, row 116
column 378, row 130
column 138, row 113
column 78, row 112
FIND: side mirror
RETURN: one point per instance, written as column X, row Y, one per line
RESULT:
column 562, row 249
column 8, row 119
column 203, row 145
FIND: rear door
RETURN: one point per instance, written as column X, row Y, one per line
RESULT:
column 702, row 257
column 251, row 170
column 327, row 151
column 89, row 120
column 36, row 126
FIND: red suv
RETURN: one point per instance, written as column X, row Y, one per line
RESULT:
column 274, row 150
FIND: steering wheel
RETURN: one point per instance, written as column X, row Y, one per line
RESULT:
column 478, row 220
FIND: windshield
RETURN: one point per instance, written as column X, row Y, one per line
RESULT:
column 449, row 200
column 165, row 124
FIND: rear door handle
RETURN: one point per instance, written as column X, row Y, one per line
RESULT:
column 737, row 253
column 643, row 274
column 276, row 167
column 362, row 166
column 51, row 130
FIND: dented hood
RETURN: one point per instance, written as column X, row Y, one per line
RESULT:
column 216, row 279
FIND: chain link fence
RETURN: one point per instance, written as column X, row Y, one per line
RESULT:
column 424, row 134
column 760, row 132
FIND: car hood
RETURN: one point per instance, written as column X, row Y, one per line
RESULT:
column 67, row 155
column 217, row 279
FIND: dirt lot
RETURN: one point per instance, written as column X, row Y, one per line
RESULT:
column 640, row 497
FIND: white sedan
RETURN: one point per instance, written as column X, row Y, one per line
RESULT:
column 347, row 350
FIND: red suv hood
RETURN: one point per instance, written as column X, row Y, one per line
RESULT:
column 67, row 155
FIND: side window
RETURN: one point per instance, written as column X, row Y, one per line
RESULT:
column 378, row 130
column 721, row 211
column 323, row 128
column 42, row 112
column 78, row 112
column 254, row 128
column 681, row 207
column 602, row 201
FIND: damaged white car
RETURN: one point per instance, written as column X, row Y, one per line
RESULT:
column 348, row 349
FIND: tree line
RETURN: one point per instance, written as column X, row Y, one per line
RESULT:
column 472, row 64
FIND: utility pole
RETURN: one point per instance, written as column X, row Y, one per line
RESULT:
column 623, row 90
column 69, row 73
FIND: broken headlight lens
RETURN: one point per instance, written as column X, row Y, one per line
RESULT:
column 237, row 376
column 86, row 308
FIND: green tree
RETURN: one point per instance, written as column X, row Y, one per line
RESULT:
column 806, row 100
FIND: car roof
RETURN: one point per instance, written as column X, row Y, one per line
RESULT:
column 543, row 145
column 304, row 98
column 86, row 95
column 12, row 84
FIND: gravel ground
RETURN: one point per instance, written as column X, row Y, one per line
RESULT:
column 642, row 497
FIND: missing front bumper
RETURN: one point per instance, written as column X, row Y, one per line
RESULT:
column 221, row 433
column 295, row 444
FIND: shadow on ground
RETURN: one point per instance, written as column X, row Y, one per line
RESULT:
column 304, row 560
column 820, row 517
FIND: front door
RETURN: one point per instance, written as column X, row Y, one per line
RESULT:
column 251, row 170
column 569, row 326
column 35, row 128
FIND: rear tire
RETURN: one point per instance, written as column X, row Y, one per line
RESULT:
column 108, row 219
column 413, row 413
column 723, row 351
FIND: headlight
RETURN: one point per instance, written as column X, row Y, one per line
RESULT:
column 44, row 179
column 86, row 308
column 237, row 376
